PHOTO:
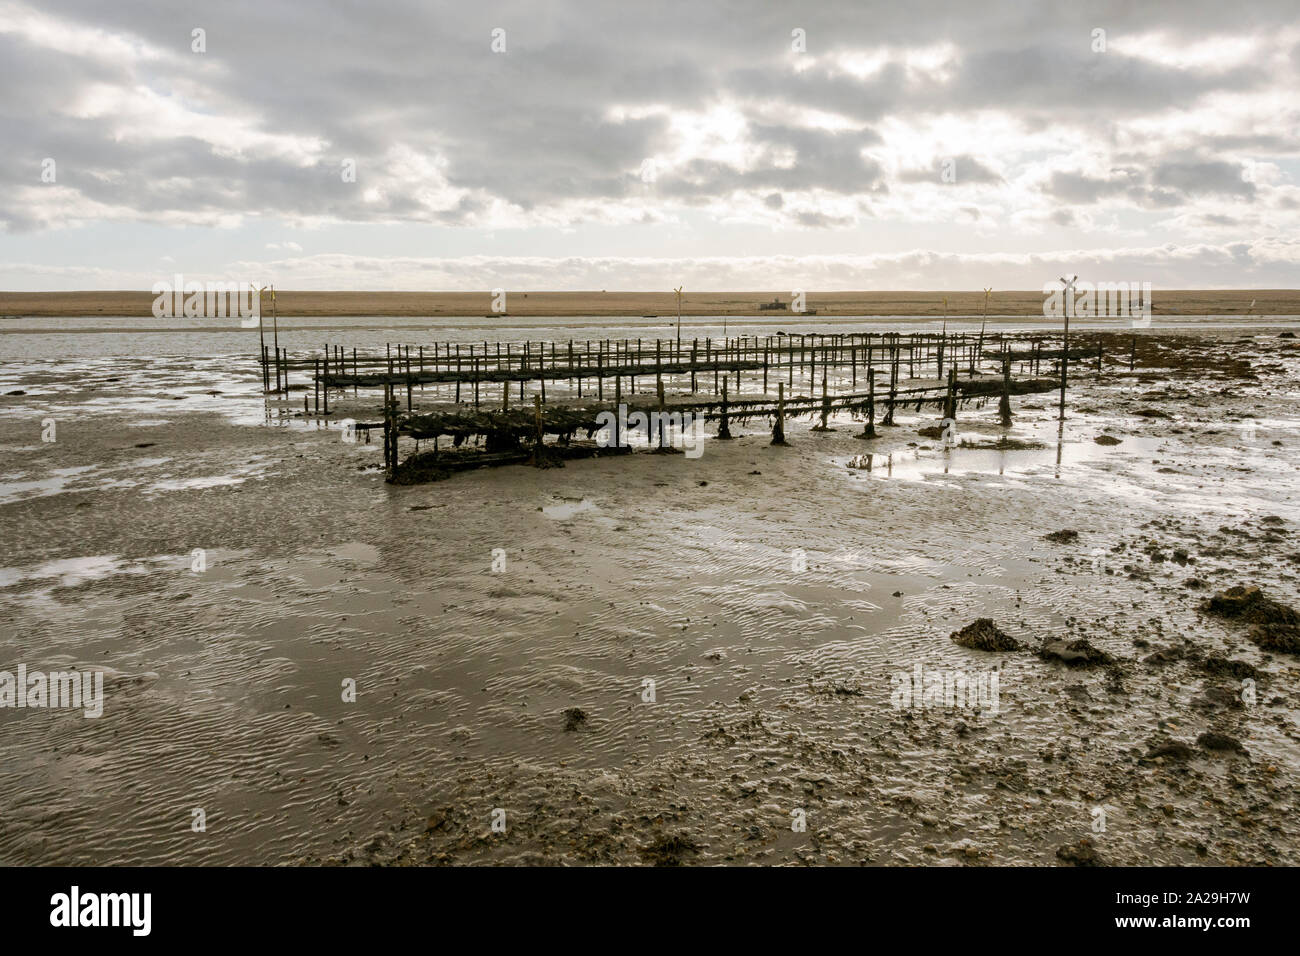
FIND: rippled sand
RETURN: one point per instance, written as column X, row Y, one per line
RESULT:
column 771, row 685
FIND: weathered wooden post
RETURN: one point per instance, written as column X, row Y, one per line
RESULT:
column 869, row 429
column 388, row 427
column 618, row 409
column 894, row 360
column 395, row 430
column 724, row 428
column 778, row 427
column 943, row 340
column 826, row 404
column 538, row 435
column 385, row 419
column 1004, row 405
column 812, row 368
column 659, row 390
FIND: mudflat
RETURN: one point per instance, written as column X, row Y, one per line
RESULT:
column 676, row 658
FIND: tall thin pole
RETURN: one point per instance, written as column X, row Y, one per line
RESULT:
column 983, row 322
column 1065, row 343
column 275, row 325
column 261, row 340
column 678, row 290
column 943, row 338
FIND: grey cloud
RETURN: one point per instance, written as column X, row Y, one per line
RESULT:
column 1203, row 178
column 532, row 127
column 1166, row 185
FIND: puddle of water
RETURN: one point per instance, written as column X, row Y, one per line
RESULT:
column 568, row 508
column 18, row 490
column 69, row 571
column 208, row 481
column 254, row 469
column 357, row 552
column 72, row 572
column 914, row 464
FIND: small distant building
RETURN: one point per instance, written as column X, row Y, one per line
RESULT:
column 776, row 305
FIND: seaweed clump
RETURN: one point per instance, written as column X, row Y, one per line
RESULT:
column 984, row 635
column 1273, row 626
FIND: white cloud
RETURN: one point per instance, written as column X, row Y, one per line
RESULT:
column 686, row 115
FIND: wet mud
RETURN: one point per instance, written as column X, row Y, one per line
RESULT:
column 658, row 660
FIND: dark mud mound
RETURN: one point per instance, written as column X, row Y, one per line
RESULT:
column 1107, row 440
column 1165, row 655
column 1167, row 750
column 1216, row 741
column 429, row 466
column 424, row 467
column 1082, row 853
column 574, row 718
column 1221, row 666
column 668, row 850
column 1064, row 536
column 1076, row 653
column 984, row 635
column 1274, row 626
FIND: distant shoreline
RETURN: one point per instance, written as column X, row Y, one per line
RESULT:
column 658, row 305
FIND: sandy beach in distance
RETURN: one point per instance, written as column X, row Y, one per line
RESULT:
column 662, row 304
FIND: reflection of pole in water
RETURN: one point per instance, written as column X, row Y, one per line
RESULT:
column 1060, row 444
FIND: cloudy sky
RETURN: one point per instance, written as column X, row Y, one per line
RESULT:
column 853, row 145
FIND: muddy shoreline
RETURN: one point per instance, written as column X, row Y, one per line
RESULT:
column 773, row 679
